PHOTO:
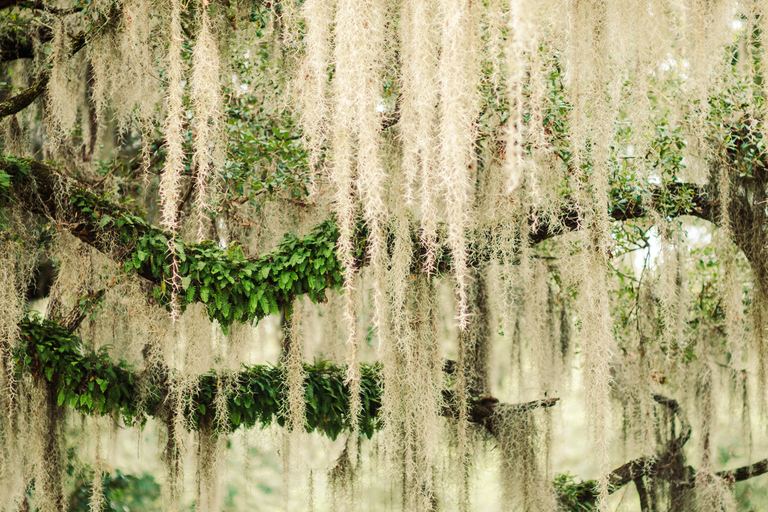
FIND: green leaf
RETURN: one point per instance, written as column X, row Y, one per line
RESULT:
column 253, row 302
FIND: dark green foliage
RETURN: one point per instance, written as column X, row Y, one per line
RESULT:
column 123, row 492
column 258, row 397
column 233, row 288
column 575, row 496
column 88, row 381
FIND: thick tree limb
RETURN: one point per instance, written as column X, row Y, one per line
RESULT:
column 38, row 5
column 43, row 190
column 699, row 204
column 15, row 45
column 54, row 352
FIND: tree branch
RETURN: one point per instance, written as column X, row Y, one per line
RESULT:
column 43, row 190
column 744, row 472
column 24, row 99
column 77, row 42
column 38, row 5
column 55, row 352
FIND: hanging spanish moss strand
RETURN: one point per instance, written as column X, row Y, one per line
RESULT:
column 12, row 277
column 401, row 337
column 170, row 183
column 521, row 41
column 761, row 9
column 545, row 171
column 342, row 173
column 313, row 79
column 62, row 87
column 591, row 119
column 138, row 46
column 759, row 342
column 597, row 346
column 209, row 450
column 293, row 348
column 371, row 174
column 47, row 425
column 495, row 14
column 206, row 98
column 732, row 297
column 459, row 104
column 461, row 401
column 418, row 116
column 711, row 492
column 411, row 377
column 360, row 34
column 97, row 501
column 525, row 483
column 425, row 380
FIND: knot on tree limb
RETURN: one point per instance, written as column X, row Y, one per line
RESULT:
column 482, row 408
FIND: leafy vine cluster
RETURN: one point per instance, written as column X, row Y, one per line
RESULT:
column 92, row 383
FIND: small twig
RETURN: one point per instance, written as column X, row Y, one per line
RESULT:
column 78, row 313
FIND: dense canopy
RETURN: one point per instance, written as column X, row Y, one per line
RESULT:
column 439, row 254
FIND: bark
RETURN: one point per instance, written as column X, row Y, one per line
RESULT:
column 22, row 100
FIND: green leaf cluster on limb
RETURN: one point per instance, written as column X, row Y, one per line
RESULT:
column 91, row 382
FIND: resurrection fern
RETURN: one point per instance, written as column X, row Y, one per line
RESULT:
column 92, row 383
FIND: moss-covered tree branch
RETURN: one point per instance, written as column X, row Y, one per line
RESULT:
column 92, row 382
column 233, row 287
column 77, row 42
